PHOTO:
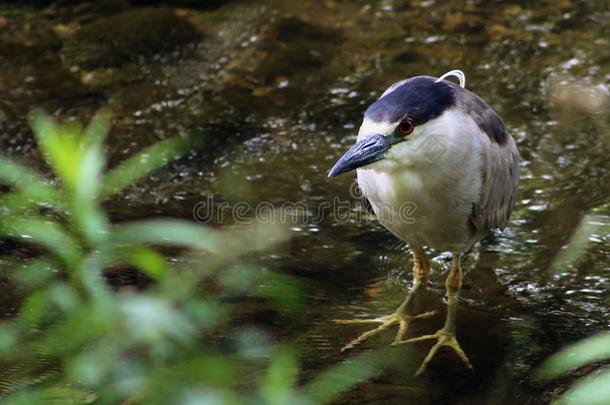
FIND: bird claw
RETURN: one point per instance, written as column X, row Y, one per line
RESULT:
column 444, row 338
column 384, row 323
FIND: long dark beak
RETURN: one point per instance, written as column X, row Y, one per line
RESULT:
column 364, row 152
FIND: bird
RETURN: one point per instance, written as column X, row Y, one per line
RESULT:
column 439, row 170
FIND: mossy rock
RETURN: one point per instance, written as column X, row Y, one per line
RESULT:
column 127, row 37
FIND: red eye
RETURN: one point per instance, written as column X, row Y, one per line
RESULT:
column 406, row 126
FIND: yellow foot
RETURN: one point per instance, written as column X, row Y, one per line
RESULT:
column 444, row 339
column 384, row 323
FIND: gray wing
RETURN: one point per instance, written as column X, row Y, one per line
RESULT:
column 368, row 207
column 500, row 173
column 500, row 165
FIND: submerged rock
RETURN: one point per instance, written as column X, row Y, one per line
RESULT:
column 128, row 36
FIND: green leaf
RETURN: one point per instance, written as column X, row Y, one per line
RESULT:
column 92, row 365
column 97, row 130
column 147, row 260
column 220, row 370
column 63, row 395
column 156, row 321
column 64, row 297
column 338, row 379
column 36, row 273
column 228, row 243
column 88, row 218
column 60, row 146
column 89, row 273
column 592, row 390
column 30, row 199
column 579, row 241
column 16, row 175
column 85, row 326
column 31, row 189
column 166, row 232
column 9, row 340
column 283, row 290
column 34, row 308
column 592, row 349
column 44, row 232
column 281, row 377
column 143, row 163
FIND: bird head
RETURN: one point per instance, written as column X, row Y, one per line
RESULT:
column 399, row 121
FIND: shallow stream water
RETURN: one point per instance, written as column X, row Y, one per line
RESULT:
column 278, row 88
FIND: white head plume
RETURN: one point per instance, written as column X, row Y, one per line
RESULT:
column 455, row 73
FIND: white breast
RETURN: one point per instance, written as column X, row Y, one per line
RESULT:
column 424, row 189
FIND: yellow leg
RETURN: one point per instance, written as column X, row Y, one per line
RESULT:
column 403, row 314
column 446, row 335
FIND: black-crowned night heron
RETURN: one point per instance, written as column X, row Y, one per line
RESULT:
column 433, row 150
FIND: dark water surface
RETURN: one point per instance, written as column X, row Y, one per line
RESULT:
column 277, row 90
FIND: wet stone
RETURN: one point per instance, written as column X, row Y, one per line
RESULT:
column 463, row 23
column 127, row 37
column 42, row 76
column 497, row 32
column 293, row 45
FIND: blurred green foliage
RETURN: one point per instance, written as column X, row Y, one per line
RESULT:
column 76, row 339
column 579, row 242
column 594, row 389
